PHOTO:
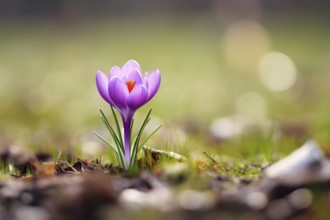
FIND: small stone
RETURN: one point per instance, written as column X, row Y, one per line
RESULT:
column 301, row 198
column 159, row 196
column 279, row 209
column 31, row 213
column 300, row 167
column 257, row 200
column 156, row 154
column 195, row 200
column 26, row 198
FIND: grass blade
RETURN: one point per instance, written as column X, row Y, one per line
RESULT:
column 135, row 145
column 105, row 141
column 119, row 154
column 152, row 134
column 137, row 139
column 117, row 125
column 111, row 130
column 120, row 147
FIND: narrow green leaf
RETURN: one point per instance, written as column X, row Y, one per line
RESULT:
column 135, row 146
column 131, row 127
column 119, row 154
column 111, row 130
column 133, row 152
column 145, row 122
column 117, row 125
column 138, row 137
column 105, row 141
column 120, row 147
column 149, row 137
column 121, row 158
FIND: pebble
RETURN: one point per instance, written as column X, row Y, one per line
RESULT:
column 306, row 164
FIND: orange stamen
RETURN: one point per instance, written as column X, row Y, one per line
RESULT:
column 130, row 85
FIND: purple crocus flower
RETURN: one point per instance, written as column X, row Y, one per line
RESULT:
column 127, row 90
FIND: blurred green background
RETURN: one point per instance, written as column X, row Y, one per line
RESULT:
column 262, row 60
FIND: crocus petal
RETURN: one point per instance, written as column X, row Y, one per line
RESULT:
column 153, row 80
column 116, row 72
column 135, row 75
column 137, row 97
column 102, row 83
column 129, row 65
column 118, row 92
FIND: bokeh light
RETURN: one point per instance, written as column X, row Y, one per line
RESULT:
column 277, row 71
column 227, row 127
column 252, row 106
column 245, row 42
column 217, row 58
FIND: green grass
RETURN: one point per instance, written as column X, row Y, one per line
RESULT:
column 49, row 99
